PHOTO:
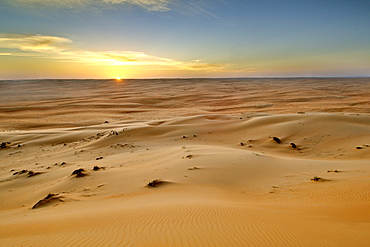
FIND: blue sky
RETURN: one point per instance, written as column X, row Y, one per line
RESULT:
column 174, row 38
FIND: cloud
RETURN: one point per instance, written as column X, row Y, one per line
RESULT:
column 126, row 58
column 197, row 8
column 34, row 42
column 143, row 59
column 60, row 48
column 134, row 57
column 151, row 5
column 246, row 70
column 207, row 65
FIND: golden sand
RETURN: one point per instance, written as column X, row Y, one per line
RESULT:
column 223, row 179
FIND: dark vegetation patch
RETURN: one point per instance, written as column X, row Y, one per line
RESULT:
column 189, row 156
column 316, row 179
column 61, row 164
column 276, row 139
column 32, row 173
column 20, row 172
column 4, row 144
column 333, row 171
column 79, row 173
column 97, row 168
column 155, row 183
column 363, row 146
column 47, row 200
column 113, row 133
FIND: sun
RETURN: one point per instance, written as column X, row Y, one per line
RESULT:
column 118, row 80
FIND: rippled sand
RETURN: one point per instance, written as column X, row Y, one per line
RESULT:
column 254, row 162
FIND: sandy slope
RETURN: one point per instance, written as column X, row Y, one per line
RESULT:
column 225, row 182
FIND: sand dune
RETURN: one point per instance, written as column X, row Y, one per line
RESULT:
column 225, row 182
column 75, row 103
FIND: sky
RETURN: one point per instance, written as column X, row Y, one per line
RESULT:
column 83, row 39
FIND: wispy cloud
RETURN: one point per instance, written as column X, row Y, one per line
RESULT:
column 207, row 65
column 60, row 48
column 134, row 58
column 198, row 9
column 34, row 42
column 193, row 7
column 151, row 5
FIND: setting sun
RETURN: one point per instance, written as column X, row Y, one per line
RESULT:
column 118, row 78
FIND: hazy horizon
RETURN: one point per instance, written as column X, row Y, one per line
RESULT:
column 191, row 78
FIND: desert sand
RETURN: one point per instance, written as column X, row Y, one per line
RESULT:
column 185, row 165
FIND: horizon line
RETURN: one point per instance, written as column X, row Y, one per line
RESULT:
column 185, row 78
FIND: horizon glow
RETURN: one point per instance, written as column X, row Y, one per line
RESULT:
column 177, row 39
